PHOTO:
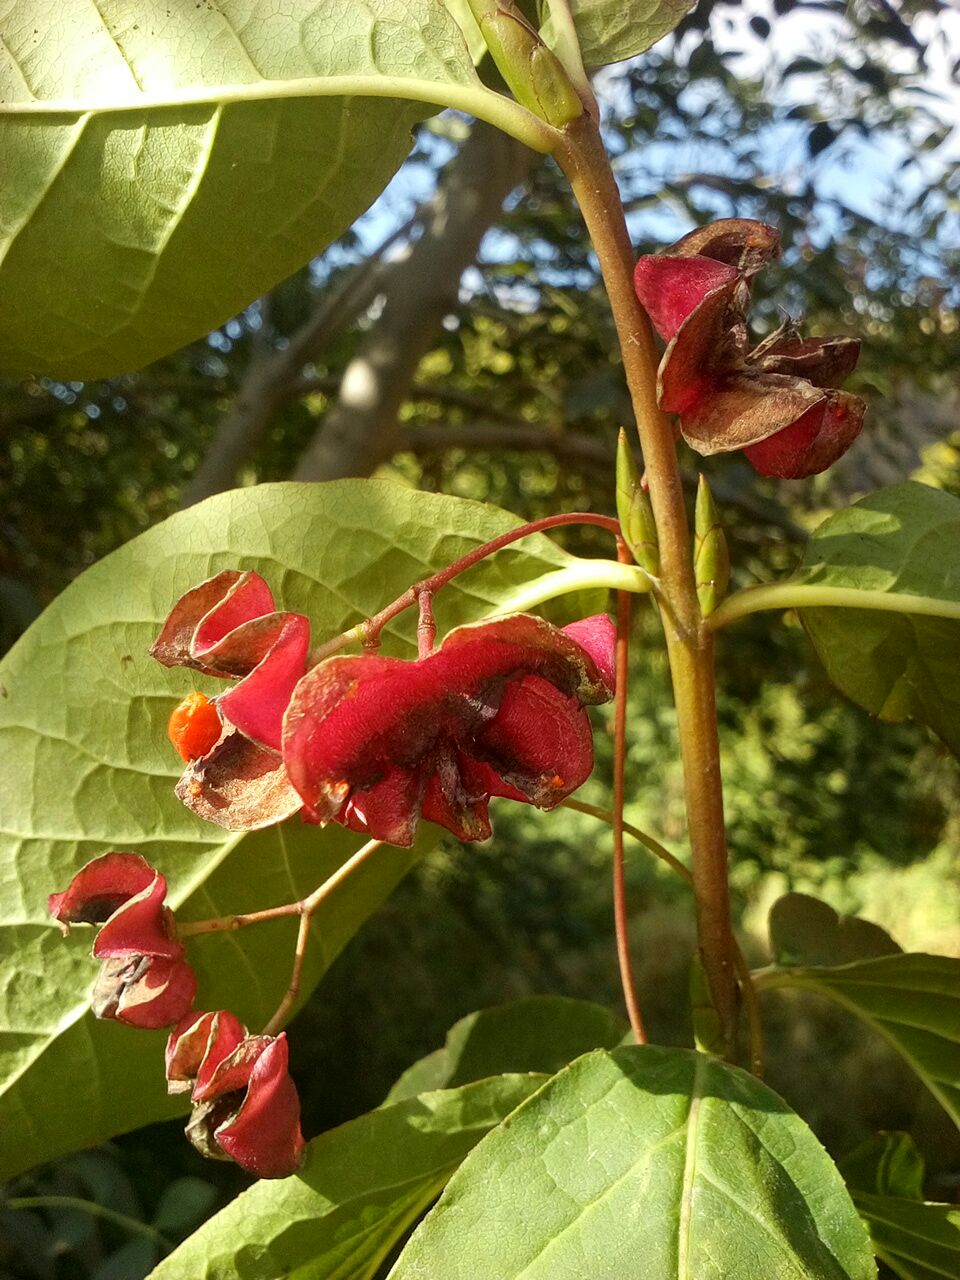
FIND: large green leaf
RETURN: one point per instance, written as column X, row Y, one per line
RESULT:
column 361, row 1188
column 87, row 767
column 644, row 1162
column 164, row 162
column 900, row 661
column 540, row 1033
column 610, row 31
column 912, row 1000
column 917, row 1240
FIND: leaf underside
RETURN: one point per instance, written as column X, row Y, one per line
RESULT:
column 806, row 931
column 903, row 540
column 611, row 31
column 166, row 162
column 87, row 768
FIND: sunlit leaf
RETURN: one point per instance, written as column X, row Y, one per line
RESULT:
column 644, row 1162
column 361, row 1187
column 610, row 31
column 541, row 1033
column 165, row 162
column 900, row 662
column 87, row 767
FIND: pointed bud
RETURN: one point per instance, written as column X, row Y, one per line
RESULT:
column 535, row 75
column 634, row 510
column 711, row 559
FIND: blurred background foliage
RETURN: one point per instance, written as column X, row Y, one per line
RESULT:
column 835, row 122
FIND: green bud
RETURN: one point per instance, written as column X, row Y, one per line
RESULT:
column 711, row 558
column 558, row 99
column 707, row 1027
column 535, row 75
column 634, row 511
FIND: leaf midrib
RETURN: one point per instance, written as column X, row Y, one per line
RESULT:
column 828, row 992
column 442, row 93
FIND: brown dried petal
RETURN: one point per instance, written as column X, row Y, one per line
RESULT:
column 743, row 243
column 144, row 991
column 744, row 409
column 172, row 646
column 239, row 785
column 825, row 362
column 814, row 442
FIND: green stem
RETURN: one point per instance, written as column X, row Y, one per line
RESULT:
column 582, row 575
column 473, row 98
column 799, row 595
column 689, row 642
column 642, row 837
column 627, row 982
column 95, row 1211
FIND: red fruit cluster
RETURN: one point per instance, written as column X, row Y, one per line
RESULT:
column 144, row 979
column 377, row 743
column 776, row 401
column 245, row 1106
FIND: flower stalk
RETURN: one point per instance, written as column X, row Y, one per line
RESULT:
column 367, row 633
column 621, row 662
column 689, row 643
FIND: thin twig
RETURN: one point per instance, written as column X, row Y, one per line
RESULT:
column 642, row 837
column 293, row 987
column 748, row 988
column 368, row 631
column 624, row 603
column 95, row 1210
column 227, row 924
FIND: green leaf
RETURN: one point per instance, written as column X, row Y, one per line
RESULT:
column 359, row 1191
column 541, row 1033
column 806, row 931
column 165, row 162
column 912, row 1000
column 87, row 768
column 463, row 14
column 897, row 661
column 645, row 1161
column 886, row 1164
column 917, row 1241
column 610, row 31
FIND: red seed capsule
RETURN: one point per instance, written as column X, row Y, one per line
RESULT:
column 194, row 726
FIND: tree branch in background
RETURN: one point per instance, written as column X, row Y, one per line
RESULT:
column 360, row 429
column 272, row 379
